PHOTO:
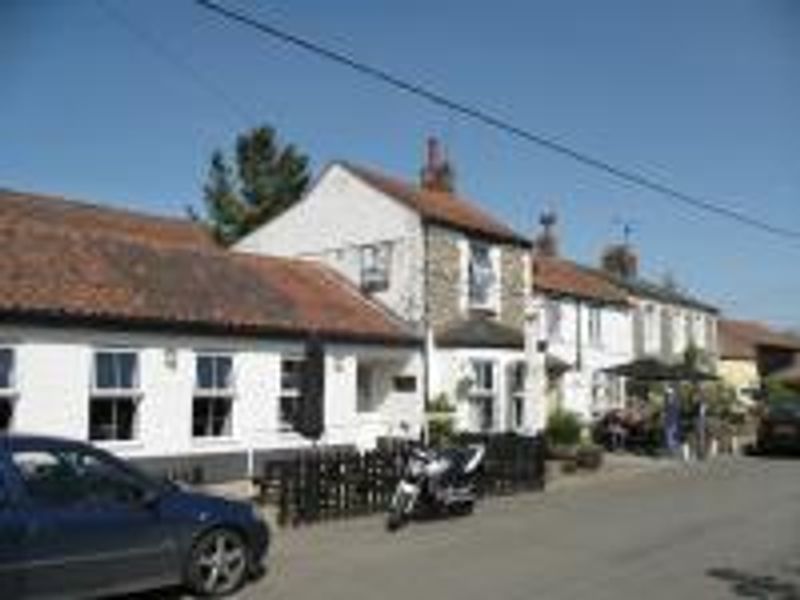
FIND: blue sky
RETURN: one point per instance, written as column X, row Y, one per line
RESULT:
column 703, row 94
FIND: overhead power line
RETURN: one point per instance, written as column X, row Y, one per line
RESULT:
column 147, row 38
column 626, row 175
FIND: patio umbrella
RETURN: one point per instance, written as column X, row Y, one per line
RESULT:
column 687, row 373
column 643, row 369
column 651, row 369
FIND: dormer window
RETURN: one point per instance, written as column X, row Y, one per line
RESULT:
column 482, row 275
column 376, row 260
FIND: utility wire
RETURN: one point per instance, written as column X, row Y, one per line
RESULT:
column 628, row 176
column 162, row 50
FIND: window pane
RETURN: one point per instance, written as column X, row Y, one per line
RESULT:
column 489, row 383
column 211, row 417
column 101, row 419
column 104, row 481
column 115, row 370
column 375, row 262
column 126, row 410
column 6, row 368
column 112, row 418
column 481, row 274
column 48, row 478
column 104, row 371
column 519, row 412
column 290, row 410
column 6, row 413
column 484, row 376
column 200, row 412
column 205, row 372
column 126, row 365
column 221, row 425
column 518, row 378
column 291, row 374
column 405, row 383
column 223, row 372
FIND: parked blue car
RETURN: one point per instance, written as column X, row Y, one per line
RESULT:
column 77, row 522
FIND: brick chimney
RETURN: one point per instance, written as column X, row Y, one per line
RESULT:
column 436, row 174
column 545, row 243
column 620, row 260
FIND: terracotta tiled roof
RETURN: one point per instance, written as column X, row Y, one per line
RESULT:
column 135, row 271
column 439, row 207
column 17, row 208
column 564, row 277
column 740, row 339
column 638, row 286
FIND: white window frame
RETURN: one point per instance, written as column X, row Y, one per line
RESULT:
column 8, row 393
column 516, row 388
column 214, row 395
column 490, row 269
column 116, row 395
column 484, row 395
column 293, row 394
column 376, row 266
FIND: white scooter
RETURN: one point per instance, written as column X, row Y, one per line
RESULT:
column 441, row 481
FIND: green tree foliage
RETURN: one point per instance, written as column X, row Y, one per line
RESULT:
column 268, row 177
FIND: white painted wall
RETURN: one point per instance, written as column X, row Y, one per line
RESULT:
column 454, row 365
column 588, row 357
column 687, row 325
column 336, row 218
column 53, row 370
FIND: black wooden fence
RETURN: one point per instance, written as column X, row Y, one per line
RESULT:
column 314, row 486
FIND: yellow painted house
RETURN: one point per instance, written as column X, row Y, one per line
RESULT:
column 750, row 351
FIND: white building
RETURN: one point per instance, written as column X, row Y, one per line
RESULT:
column 457, row 275
column 587, row 328
column 136, row 333
column 666, row 321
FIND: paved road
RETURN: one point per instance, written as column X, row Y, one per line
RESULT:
column 727, row 529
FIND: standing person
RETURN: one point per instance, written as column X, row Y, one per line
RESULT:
column 672, row 416
column 700, row 425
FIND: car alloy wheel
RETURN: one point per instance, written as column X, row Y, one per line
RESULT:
column 218, row 564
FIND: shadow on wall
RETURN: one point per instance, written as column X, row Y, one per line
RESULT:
column 785, row 585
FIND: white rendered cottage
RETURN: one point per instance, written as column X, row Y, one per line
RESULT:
column 459, row 277
column 137, row 333
column 588, row 328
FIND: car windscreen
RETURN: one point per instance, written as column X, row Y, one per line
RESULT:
column 788, row 408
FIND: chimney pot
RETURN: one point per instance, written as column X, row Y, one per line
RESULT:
column 436, row 174
column 434, row 154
